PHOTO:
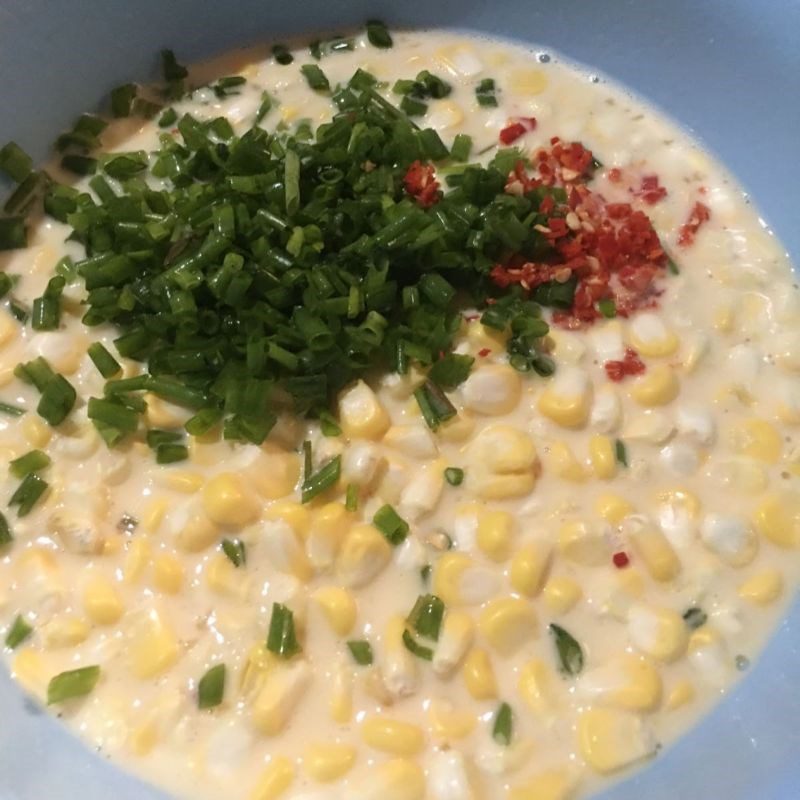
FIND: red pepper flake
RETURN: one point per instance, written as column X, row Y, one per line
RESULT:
column 421, row 184
column 650, row 190
column 621, row 560
column 700, row 213
column 630, row 365
column 615, row 175
column 483, row 352
column 519, row 127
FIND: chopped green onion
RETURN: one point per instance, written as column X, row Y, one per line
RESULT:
column 378, row 34
column 27, row 494
column 18, row 633
column 328, row 424
column 168, row 118
column 415, row 647
column 225, row 87
column 173, row 71
column 351, row 498
column 485, row 93
column 390, row 524
column 46, row 312
column 361, row 651
column 13, row 234
column 281, row 54
column 607, row 307
column 672, row 267
column 462, row 147
column 503, row 726
column 413, row 107
column 11, row 410
column 171, row 453
column 203, row 421
column 5, row 531
column 264, row 107
column 621, row 452
column 211, row 687
column 695, row 618
column 315, row 77
column 434, row 405
column 281, row 638
column 308, row 461
column 321, row 480
column 454, row 476
column 15, row 162
column 570, row 653
column 71, row 684
column 426, row 616
column 32, row 461
column 235, row 550
column 79, row 165
column 113, row 414
column 122, row 99
column 155, row 438
column 451, row 370
column 106, row 364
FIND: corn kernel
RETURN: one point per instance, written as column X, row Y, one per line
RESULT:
column 682, row 498
column 297, row 516
column 628, row 682
column 508, row 623
column 459, row 581
column 729, row 537
column 415, row 441
column 777, row 518
column 167, row 573
column 275, row 473
column 610, row 740
column 197, row 534
column 567, row 398
column 227, row 501
column 492, row 389
column 454, row 641
column 529, row 568
column 363, row 555
column 495, row 533
column 399, row 779
column 527, row 81
column 392, row 736
column 361, row 414
column 612, row 508
column 163, row 414
column 153, row 646
column 478, row 675
column 603, row 457
column 281, row 692
column 399, row 673
column 32, row 671
column 224, row 578
column 552, row 784
column 562, row 462
column 763, row 588
column 144, row 738
column 457, row 429
column 329, row 761
column 657, row 387
column 181, row 480
column 338, row 607
column 284, row 549
column 35, row 431
column 275, row 779
column 650, row 337
column 584, row 543
column 562, row 594
column 650, row 544
column 66, row 631
column 340, row 704
column 136, row 560
column 538, row 688
column 723, row 318
column 680, row 695
column 154, row 515
column 657, row 632
column 102, row 602
column 758, row 439
column 448, row 722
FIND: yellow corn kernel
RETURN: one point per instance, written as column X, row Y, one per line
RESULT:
column 628, row 682
column 163, row 414
column 223, row 577
column 154, row 515
column 584, row 543
column 280, row 693
column 392, row 736
column 329, row 761
column 66, row 631
column 508, row 623
column 448, row 574
column 566, row 400
column 723, row 318
column 445, row 115
column 197, row 534
column 492, row 389
column 275, row 779
column 657, row 632
column 167, row 573
column 529, row 568
column 448, row 722
column 680, row 695
column 398, row 779
column 102, row 602
column 538, row 688
column 649, row 336
column 681, row 498
column 136, row 560
column 297, row 516
column 32, row 671
column 181, row 480
column 603, row 457
column 227, row 501
column 503, row 463
column 478, row 675
column 35, row 431
column 631, row 582
column 338, row 607
column 496, row 486
column 457, row 429
column 364, row 554
column 610, row 740
column 527, row 81
column 479, row 336
column 612, row 508
column 275, row 473
column 657, row 387
column 552, row 784
column 495, row 533
column 650, row 544
column 562, row 594
column 562, row 462
column 328, row 530
column 361, row 414
column 458, row 631
column 758, row 439
column 144, row 738
column 763, row 588
column 284, row 550
column 340, row 704
column 777, row 518
column 153, row 646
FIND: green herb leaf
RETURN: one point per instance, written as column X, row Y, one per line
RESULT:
column 378, row 34
column 503, row 726
column 71, row 684
column 426, row 616
column 328, row 424
column 236, row 552
column 211, row 687
column 607, row 307
column 621, row 452
column 570, row 653
column 18, row 633
column 361, row 652
column 281, row 638
column 5, row 532
column 451, row 371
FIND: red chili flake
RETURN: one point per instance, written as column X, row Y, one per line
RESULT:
column 621, row 560
column 483, row 352
column 519, row 127
column 420, row 182
column 615, row 175
column 630, row 365
column 650, row 190
column 700, row 213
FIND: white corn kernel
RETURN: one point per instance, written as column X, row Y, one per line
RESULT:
column 584, row 542
column 78, row 532
column 606, row 339
column 651, row 426
column 399, row 667
column 459, row 581
column 360, row 463
column 680, row 458
column 361, row 414
column 422, row 493
column 364, row 554
column 649, row 336
column 399, row 779
column 628, row 682
column 731, row 538
column 280, row 694
column 606, row 414
column 454, row 641
column 492, row 389
column 497, row 759
column 284, row 549
column 657, row 632
column 448, row 777
column 696, row 424
column 415, row 441
column 567, row 398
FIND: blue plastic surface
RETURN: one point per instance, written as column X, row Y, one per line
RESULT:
column 727, row 70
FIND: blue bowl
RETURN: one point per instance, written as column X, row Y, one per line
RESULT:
column 726, row 70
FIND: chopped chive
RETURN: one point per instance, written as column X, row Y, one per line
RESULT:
column 378, row 34
column 15, row 162
column 18, row 311
column 203, row 421
column 264, row 107
column 32, row 461
column 315, row 77
column 113, row 414
column 282, row 55
column 695, row 618
column 607, row 307
column 570, row 653
column 415, row 647
column 328, row 424
column 46, row 312
column 390, row 524
column 71, row 684
column 5, row 531
column 321, row 480
column 13, row 234
column 27, row 494
column 361, row 651
column 171, row 69
column 211, row 687
column 11, row 410
column 462, row 147
column 426, row 616
column 281, row 638
column 486, row 93
column 308, row 462
column 23, row 196
column 672, row 267
column 434, row 405
column 155, row 438
column 106, row 364
column 171, row 453
column 122, row 99
column 227, row 86
column 451, row 371
column 78, row 164
column 503, row 725
column 168, row 118
column 236, row 551
column 18, row 633
column 6, row 284
column 351, row 498
column 413, row 107
column 454, row 476
column 621, row 452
